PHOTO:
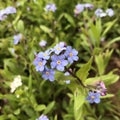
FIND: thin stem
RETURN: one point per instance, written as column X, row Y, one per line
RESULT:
column 75, row 77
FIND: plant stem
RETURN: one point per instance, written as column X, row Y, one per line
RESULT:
column 78, row 79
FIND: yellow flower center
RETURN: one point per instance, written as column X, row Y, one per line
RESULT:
column 58, row 62
column 40, row 63
column 47, row 73
column 58, row 48
column 45, row 55
column 92, row 97
column 70, row 54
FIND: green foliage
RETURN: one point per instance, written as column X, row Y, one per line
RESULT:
column 94, row 39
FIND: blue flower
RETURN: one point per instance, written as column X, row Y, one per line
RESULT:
column 10, row 10
column 42, row 43
column 71, row 54
column 50, row 7
column 6, row 11
column 17, row 38
column 67, row 81
column 48, row 74
column 39, row 64
column 42, row 117
column 88, row 5
column 99, row 13
column 80, row 7
column 59, row 48
column 66, row 73
column 58, row 62
column 93, row 97
column 44, row 55
column 2, row 15
column 110, row 12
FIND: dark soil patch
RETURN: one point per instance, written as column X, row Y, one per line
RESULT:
column 115, row 88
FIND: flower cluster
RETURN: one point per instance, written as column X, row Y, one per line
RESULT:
column 80, row 8
column 94, row 96
column 100, row 13
column 54, row 59
column 6, row 11
column 16, row 83
column 50, row 7
column 42, row 117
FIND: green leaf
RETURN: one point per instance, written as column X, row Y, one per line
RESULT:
column 100, row 63
column 40, row 107
column 3, row 117
column 110, row 78
column 70, row 19
column 108, row 27
column 28, row 110
column 17, row 112
column 79, row 99
column 112, row 41
column 20, row 26
column 83, row 72
column 107, row 96
column 45, row 29
column 95, row 33
column 49, row 107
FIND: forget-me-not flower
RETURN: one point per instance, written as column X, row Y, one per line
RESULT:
column 17, row 38
column 10, row 10
column 67, row 81
column 88, row 5
column 6, row 11
column 50, row 7
column 2, row 15
column 44, row 55
column 71, row 54
column 42, row 43
column 59, row 48
column 39, row 64
column 79, row 8
column 93, row 97
column 42, row 117
column 48, row 74
column 100, row 13
column 58, row 62
column 110, row 12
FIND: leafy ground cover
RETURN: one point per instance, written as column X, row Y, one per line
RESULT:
column 59, row 60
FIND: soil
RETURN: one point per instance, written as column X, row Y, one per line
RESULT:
column 115, row 88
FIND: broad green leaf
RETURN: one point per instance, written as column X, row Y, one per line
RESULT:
column 40, row 107
column 100, row 63
column 108, row 27
column 112, row 41
column 83, row 72
column 70, row 19
column 17, row 112
column 49, row 107
column 79, row 99
column 3, row 117
column 20, row 26
column 45, row 29
column 110, row 78
column 28, row 110
column 95, row 33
